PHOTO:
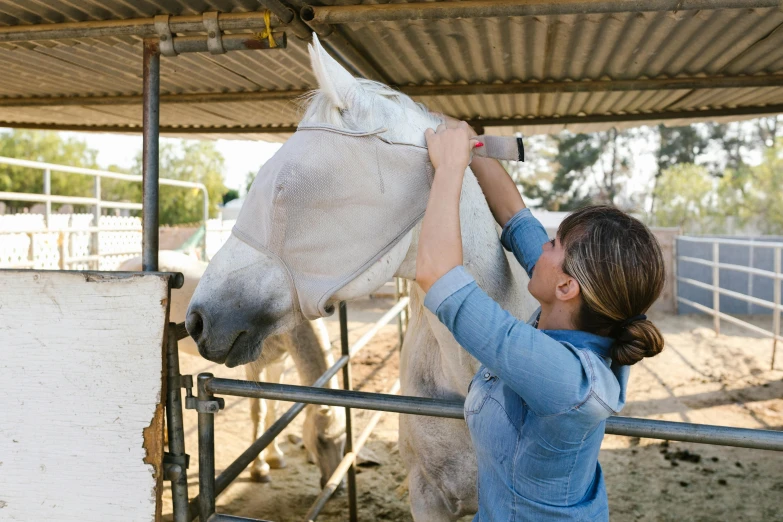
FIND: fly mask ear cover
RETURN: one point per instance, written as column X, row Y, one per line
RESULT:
column 329, row 204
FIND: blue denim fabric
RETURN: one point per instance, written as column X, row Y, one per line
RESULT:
column 537, row 408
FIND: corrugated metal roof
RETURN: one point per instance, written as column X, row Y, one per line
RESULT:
column 596, row 47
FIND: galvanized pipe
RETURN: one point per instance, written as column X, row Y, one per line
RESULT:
column 206, row 453
column 175, row 425
column 716, row 286
column 243, row 461
column 289, row 17
column 150, row 186
column 348, row 460
column 365, row 13
column 217, row 517
column 654, row 429
column 776, row 312
column 73, row 200
column 140, row 27
column 728, row 318
column 240, row 463
column 351, row 399
column 231, row 42
column 346, row 352
column 383, row 321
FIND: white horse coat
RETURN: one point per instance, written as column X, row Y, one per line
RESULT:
column 245, row 296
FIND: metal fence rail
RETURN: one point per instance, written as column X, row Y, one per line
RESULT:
column 208, row 405
column 212, row 486
column 775, row 275
column 627, row 426
column 97, row 202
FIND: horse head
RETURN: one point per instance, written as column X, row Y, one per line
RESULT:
column 247, row 294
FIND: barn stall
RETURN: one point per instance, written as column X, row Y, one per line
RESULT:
column 234, row 68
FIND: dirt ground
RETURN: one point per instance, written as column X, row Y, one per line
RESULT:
column 699, row 378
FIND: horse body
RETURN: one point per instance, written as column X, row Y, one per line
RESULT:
column 246, row 294
column 310, row 349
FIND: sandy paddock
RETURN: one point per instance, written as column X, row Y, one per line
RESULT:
column 699, row 378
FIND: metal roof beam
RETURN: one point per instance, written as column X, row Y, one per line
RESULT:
column 346, row 14
column 658, row 84
column 141, row 27
column 494, row 122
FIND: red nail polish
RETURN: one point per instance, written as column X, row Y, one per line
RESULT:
column 479, row 144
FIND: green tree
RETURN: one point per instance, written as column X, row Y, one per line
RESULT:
column 197, row 161
column 230, row 195
column 249, row 178
column 686, row 197
column 753, row 195
column 51, row 148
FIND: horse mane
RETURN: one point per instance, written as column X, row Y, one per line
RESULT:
column 365, row 114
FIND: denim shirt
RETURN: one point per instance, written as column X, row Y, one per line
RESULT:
column 537, row 407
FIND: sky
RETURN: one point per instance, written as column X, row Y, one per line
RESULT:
column 241, row 156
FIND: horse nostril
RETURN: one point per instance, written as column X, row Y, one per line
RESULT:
column 195, row 325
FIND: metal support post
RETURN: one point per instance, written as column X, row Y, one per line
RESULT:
column 776, row 310
column 350, row 458
column 206, row 450
column 398, row 295
column 48, row 191
column 206, row 218
column 716, row 286
column 352, row 502
column 151, row 174
column 750, row 276
column 176, row 459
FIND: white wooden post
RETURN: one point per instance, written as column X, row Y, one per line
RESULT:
column 48, row 192
column 63, row 250
column 776, row 311
column 716, row 286
column 96, row 246
column 82, row 417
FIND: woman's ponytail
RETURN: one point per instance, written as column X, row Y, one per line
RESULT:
column 636, row 341
column 619, row 266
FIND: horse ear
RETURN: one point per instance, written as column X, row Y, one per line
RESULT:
column 333, row 79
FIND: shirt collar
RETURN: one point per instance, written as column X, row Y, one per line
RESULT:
column 583, row 340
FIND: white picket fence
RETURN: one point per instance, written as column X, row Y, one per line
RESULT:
column 73, row 242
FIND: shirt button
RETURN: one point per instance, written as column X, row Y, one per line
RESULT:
column 486, row 375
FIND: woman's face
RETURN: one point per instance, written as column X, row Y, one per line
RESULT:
column 548, row 272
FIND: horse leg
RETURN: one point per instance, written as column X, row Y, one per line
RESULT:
column 274, row 455
column 259, row 470
column 427, row 502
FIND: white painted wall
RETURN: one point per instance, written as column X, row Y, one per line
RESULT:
column 81, row 380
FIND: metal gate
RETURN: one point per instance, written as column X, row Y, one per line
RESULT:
column 208, row 403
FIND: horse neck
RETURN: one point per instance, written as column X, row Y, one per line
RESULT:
column 310, row 357
column 486, row 261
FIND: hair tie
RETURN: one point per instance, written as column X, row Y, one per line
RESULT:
column 625, row 324
column 628, row 322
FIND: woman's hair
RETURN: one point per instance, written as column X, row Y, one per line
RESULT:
column 619, row 266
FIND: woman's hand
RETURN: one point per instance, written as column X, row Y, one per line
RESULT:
column 450, row 145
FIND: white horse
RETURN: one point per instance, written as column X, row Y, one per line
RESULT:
column 247, row 292
column 310, row 349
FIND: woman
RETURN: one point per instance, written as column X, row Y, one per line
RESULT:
column 536, row 409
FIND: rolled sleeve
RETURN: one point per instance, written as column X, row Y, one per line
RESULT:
column 449, row 283
column 524, row 235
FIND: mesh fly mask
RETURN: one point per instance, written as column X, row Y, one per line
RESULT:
column 350, row 194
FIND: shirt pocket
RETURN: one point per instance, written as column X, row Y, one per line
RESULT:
column 479, row 390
